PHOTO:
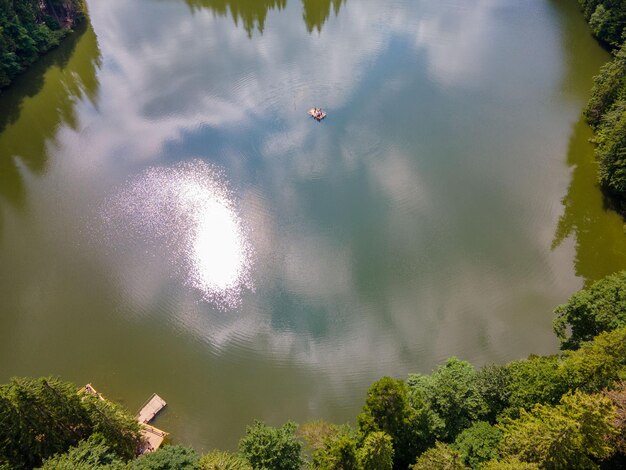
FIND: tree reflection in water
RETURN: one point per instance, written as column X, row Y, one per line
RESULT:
column 597, row 230
column 253, row 13
column 316, row 12
column 36, row 103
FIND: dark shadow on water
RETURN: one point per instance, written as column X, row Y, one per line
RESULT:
column 598, row 231
column 35, row 105
column 253, row 13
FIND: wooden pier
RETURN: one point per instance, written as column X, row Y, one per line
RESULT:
column 151, row 437
column 150, row 409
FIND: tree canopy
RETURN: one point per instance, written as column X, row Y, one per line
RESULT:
column 167, row 458
column 91, row 454
column 589, row 312
column 219, row 460
column 28, row 28
column 478, row 443
column 270, row 448
column 607, row 19
column 45, row 416
column 569, row 435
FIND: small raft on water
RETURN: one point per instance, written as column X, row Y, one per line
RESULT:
column 317, row 113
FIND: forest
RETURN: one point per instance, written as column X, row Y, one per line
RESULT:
column 29, row 28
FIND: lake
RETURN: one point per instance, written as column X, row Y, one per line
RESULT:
column 172, row 220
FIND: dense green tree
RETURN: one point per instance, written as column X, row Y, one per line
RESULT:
column 618, row 397
column 339, row 453
column 377, row 452
column 167, row 458
column 440, row 457
column 589, row 312
column 29, row 28
column 509, row 463
column 492, row 383
column 270, row 448
column 534, row 380
column 315, row 434
column 387, row 409
column 596, row 364
column 608, row 87
column 40, row 418
column 218, row 460
column 570, row 435
column 451, row 393
column 45, row 416
column 87, row 455
column 478, row 443
column 118, row 427
column 610, row 151
column 606, row 110
column 544, row 379
column 607, row 19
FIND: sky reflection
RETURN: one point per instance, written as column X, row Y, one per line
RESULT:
column 341, row 212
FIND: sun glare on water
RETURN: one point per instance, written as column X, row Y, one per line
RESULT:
column 186, row 214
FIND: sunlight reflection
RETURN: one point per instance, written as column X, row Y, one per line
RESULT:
column 187, row 216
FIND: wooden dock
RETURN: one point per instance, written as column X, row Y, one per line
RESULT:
column 151, row 437
column 91, row 391
column 150, row 409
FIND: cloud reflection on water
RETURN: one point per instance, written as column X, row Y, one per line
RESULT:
column 258, row 90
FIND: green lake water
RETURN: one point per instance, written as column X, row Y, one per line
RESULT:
column 172, row 221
